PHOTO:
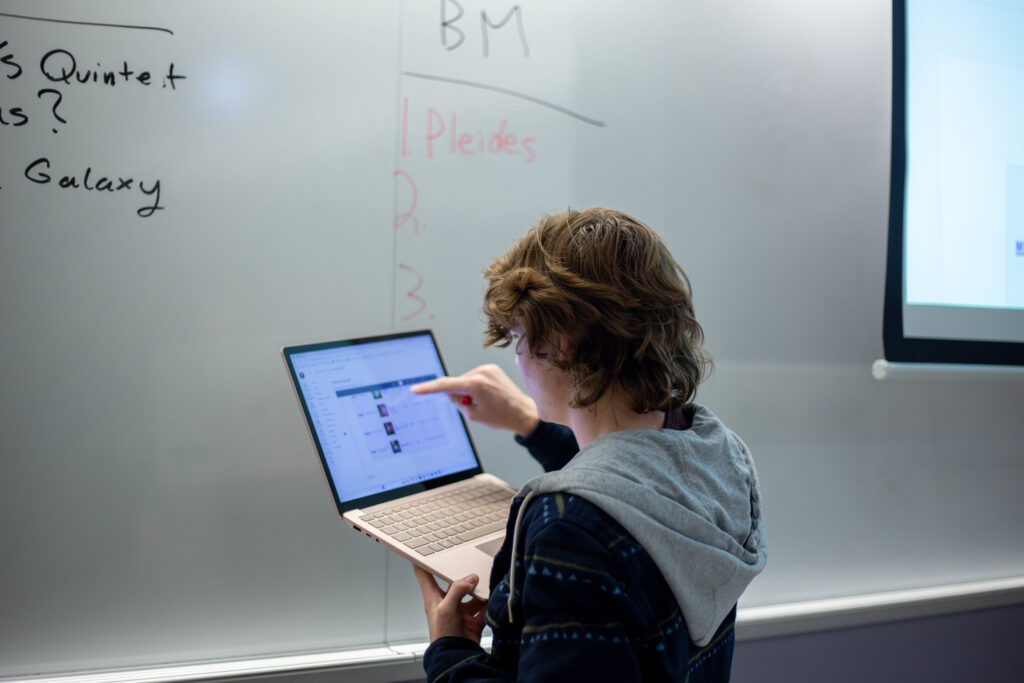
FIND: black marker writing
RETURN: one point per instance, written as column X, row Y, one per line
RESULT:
column 56, row 103
column 11, row 116
column 15, row 116
column 506, row 91
column 127, row 73
column 147, row 211
column 87, row 23
column 61, row 66
column 7, row 58
column 515, row 11
column 171, row 76
column 37, row 173
column 448, row 24
column 58, row 59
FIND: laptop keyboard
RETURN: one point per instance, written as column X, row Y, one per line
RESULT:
column 445, row 519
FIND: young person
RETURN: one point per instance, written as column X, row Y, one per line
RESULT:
column 625, row 559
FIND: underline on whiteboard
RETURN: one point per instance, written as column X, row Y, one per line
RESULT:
column 513, row 93
column 87, row 23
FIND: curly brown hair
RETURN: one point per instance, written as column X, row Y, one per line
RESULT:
column 608, row 284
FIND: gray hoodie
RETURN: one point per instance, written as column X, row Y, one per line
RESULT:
column 689, row 497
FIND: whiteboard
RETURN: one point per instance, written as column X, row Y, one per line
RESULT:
column 338, row 169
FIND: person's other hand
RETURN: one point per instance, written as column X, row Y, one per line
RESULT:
column 447, row 614
column 494, row 399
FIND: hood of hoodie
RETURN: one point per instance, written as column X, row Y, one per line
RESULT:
column 690, row 497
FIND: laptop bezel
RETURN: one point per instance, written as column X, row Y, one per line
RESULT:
column 385, row 496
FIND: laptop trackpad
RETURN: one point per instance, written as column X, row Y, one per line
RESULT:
column 491, row 547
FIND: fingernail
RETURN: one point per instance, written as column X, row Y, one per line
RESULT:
column 473, row 578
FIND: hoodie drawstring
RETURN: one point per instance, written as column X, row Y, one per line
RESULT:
column 512, row 562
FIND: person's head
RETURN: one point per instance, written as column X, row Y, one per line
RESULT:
column 597, row 296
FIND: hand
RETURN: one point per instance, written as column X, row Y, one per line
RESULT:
column 447, row 614
column 495, row 400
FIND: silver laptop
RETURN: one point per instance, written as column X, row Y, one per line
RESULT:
column 401, row 467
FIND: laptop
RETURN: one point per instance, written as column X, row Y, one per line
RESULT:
column 402, row 468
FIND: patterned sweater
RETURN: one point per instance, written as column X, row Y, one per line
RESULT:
column 589, row 605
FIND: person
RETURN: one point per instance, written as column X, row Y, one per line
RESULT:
column 625, row 559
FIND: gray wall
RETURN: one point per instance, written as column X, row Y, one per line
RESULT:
column 159, row 499
column 977, row 646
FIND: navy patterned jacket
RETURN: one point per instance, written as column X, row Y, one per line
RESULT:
column 590, row 603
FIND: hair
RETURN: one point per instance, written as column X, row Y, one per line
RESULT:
column 608, row 284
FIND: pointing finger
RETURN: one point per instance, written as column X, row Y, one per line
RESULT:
column 448, row 385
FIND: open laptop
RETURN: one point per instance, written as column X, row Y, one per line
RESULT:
column 401, row 467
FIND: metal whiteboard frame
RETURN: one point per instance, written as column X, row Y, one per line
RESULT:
column 752, row 623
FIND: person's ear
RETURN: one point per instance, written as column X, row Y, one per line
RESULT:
column 564, row 347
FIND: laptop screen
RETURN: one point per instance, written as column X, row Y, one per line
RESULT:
column 374, row 436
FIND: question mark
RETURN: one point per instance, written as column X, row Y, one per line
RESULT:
column 56, row 103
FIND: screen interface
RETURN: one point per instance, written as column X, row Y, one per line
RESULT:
column 374, row 433
column 964, row 244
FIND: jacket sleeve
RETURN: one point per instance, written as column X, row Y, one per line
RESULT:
column 460, row 659
column 550, row 444
column 575, row 617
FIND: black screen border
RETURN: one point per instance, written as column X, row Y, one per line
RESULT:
column 896, row 346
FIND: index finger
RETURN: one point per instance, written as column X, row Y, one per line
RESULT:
column 447, row 385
